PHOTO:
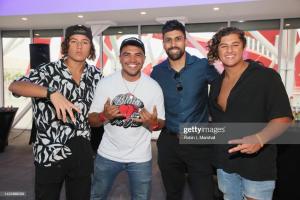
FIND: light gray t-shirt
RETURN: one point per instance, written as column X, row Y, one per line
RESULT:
column 125, row 140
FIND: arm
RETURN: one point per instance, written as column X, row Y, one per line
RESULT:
column 94, row 119
column 160, row 125
column 212, row 73
column 27, row 89
column 61, row 104
column 274, row 129
column 253, row 143
column 110, row 112
column 278, row 113
column 150, row 120
column 154, row 121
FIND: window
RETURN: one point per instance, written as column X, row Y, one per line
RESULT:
column 16, row 60
column 291, row 62
column 262, row 41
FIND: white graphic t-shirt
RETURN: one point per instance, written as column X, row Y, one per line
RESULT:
column 125, row 140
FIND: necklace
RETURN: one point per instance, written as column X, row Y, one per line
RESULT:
column 130, row 93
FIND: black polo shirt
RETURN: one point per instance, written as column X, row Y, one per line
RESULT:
column 258, row 96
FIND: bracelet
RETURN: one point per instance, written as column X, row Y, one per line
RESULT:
column 155, row 126
column 259, row 140
column 102, row 117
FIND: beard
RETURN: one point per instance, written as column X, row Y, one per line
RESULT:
column 175, row 55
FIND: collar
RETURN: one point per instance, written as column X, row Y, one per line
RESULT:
column 253, row 65
column 189, row 60
column 64, row 66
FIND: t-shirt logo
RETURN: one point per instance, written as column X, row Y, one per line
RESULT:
column 128, row 110
column 129, row 106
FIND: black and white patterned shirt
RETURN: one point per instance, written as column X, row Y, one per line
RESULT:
column 53, row 134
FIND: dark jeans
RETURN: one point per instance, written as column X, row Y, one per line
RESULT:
column 75, row 171
column 178, row 161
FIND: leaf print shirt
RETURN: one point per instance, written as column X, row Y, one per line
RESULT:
column 52, row 134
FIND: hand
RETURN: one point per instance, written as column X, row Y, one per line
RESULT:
column 111, row 111
column 148, row 119
column 248, row 145
column 63, row 107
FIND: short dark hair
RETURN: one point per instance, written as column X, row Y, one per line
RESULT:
column 77, row 29
column 172, row 25
column 214, row 43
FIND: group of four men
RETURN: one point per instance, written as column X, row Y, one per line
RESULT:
column 68, row 95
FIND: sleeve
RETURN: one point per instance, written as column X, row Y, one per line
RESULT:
column 159, row 102
column 153, row 73
column 99, row 99
column 277, row 104
column 37, row 76
column 212, row 73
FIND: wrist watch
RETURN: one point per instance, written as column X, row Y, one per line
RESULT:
column 50, row 91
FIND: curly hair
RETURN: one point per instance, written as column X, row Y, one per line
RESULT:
column 214, row 43
column 65, row 47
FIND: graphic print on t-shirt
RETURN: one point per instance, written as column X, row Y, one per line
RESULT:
column 129, row 106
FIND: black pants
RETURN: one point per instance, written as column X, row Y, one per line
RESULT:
column 176, row 161
column 75, row 171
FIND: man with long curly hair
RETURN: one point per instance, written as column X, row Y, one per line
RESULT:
column 247, row 92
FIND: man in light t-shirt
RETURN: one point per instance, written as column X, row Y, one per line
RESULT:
column 130, row 105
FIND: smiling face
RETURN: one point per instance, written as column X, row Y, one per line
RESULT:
column 174, row 44
column 132, row 59
column 230, row 50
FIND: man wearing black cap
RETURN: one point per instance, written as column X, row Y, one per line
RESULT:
column 130, row 105
column 62, row 93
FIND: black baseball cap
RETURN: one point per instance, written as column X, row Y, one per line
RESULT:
column 132, row 41
column 79, row 29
